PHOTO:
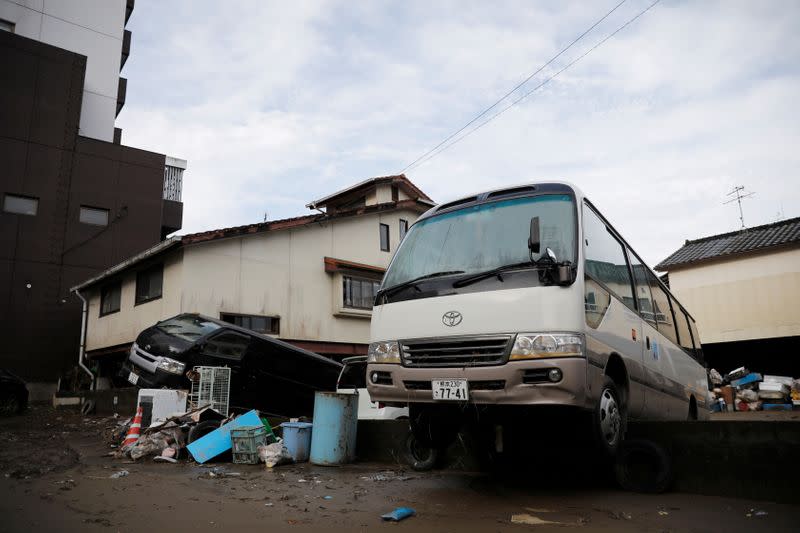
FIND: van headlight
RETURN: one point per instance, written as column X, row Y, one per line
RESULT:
column 171, row 365
column 543, row 345
column 384, row 352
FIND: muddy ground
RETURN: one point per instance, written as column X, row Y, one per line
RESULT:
column 55, row 476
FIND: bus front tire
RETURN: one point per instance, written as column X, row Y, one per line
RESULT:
column 609, row 419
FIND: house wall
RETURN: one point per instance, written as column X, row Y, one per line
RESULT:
column 93, row 28
column 123, row 326
column 751, row 297
column 279, row 273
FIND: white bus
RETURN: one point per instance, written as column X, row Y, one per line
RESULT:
column 527, row 296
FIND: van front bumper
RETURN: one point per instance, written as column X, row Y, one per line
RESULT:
column 513, row 383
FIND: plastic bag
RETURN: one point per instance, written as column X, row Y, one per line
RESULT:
column 274, row 454
column 716, row 377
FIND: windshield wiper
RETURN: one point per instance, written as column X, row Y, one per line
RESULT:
column 400, row 286
column 469, row 280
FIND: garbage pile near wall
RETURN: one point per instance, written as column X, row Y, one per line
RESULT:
column 742, row 390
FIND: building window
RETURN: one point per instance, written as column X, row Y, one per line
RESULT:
column 257, row 323
column 94, row 216
column 110, row 297
column 149, row 283
column 359, row 293
column 21, row 205
column 6, row 26
column 385, row 237
column 403, row 228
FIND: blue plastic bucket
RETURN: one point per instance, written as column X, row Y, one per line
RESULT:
column 297, row 439
column 335, row 423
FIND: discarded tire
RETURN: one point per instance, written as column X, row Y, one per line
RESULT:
column 201, row 429
column 420, row 457
column 643, row 466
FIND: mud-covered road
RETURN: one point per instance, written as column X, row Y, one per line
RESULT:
column 55, row 476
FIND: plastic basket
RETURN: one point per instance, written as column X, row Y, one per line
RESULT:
column 245, row 441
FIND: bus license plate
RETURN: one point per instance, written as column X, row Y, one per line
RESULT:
column 133, row 378
column 450, row 389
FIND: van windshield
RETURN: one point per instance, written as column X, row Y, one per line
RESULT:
column 188, row 327
column 483, row 237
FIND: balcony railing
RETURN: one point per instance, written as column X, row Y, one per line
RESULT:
column 173, row 178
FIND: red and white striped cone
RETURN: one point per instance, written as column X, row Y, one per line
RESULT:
column 133, row 432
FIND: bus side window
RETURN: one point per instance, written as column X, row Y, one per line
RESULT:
column 682, row 321
column 605, row 258
column 698, row 347
column 661, row 309
column 643, row 295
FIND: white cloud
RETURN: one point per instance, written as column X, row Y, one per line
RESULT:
column 275, row 104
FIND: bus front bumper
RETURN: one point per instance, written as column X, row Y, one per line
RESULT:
column 513, row 383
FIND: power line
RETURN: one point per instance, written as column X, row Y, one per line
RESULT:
column 434, row 152
column 520, row 84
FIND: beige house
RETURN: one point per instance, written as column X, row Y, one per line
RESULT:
column 308, row 280
column 743, row 288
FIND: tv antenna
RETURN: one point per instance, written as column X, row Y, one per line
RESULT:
column 739, row 197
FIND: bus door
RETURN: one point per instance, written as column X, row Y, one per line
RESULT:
column 651, row 356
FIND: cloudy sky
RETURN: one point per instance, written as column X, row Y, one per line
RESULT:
column 275, row 104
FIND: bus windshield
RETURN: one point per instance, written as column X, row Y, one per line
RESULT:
column 483, row 237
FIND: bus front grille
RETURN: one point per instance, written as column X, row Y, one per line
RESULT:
column 456, row 351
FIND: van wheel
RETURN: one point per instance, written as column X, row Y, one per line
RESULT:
column 643, row 466
column 420, row 457
column 609, row 419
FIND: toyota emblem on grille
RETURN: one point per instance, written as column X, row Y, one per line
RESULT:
column 452, row 318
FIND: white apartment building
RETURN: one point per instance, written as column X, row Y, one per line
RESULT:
column 93, row 28
column 308, row 280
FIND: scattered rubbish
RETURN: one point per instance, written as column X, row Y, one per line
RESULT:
column 302, row 481
column 760, row 514
column 269, row 504
column 401, row 513
column 163, row 459
column 219, row 440
column 663, row 513
column 275, row 454
column 536, row 510
column 387, row 475
column 117, row 475
column 529, row 520
column 327, row 497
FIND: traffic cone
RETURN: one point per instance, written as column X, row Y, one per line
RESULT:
column 133, row 432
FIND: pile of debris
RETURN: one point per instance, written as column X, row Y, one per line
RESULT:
column 742, row 390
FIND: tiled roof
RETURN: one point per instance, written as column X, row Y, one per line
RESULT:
column 734, row 243
column 400, row 180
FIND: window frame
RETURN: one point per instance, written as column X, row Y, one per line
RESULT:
column 226, row 331
column 361, row 281
column 142, row 272
column 104, row 291
column 34, row 199
column 384, row 229
column 10, row 27
column 274, row 320
column 96, row 209
column 403, row 229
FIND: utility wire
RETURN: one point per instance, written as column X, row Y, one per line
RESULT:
column 434, row 152
column 520, row 84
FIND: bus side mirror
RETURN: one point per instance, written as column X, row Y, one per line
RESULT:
column 534, row 243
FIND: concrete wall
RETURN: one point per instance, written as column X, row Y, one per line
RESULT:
column 93, row 28
column 751, row 297
column 279, row 273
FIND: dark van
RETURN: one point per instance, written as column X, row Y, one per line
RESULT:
column 266, row 374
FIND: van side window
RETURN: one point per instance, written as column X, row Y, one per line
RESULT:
column 643, row 295
column 227, row 345
column 661, row 309
column 605, row 258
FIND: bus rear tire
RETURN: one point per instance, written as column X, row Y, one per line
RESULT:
column 609, row 419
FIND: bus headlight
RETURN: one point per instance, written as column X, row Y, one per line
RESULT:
column 543, row 345
column 384, row 352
